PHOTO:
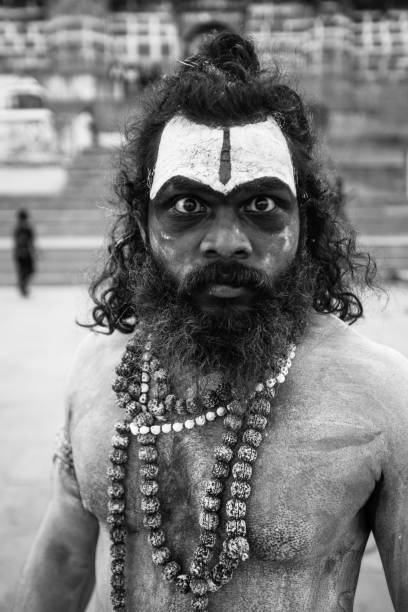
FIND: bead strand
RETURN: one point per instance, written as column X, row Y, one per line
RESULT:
column 223, row 455
column 178, row 426
column 126, row 387
column 116, row 514
column 236, row 546
column 201, row 581
column 149, row 469
column 143, row 393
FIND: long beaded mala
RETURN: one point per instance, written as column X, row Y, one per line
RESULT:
column 143, row 394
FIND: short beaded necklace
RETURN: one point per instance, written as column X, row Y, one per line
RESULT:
column 143, row 394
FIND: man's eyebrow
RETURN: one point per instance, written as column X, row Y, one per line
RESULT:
column 182, row 183
column 262, row 184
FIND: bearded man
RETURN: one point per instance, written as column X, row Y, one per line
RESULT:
column 226, row 487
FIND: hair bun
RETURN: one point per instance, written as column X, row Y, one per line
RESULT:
column 232, row 54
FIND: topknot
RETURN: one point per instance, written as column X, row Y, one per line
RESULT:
column 227, row 53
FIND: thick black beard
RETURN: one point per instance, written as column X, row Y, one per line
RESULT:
column 242, row 346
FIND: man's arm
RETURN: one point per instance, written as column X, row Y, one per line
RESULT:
column 59, row 574
column 389, row 504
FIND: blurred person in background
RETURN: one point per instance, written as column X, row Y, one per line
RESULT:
column 24, row 251
column 230, row 441
column 84, row 130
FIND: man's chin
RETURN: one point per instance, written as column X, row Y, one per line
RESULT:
column 225, row 312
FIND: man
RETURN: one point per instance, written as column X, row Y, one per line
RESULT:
column 24, row 251
column 226, row 487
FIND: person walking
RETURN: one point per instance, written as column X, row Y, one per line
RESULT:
column 24, row 251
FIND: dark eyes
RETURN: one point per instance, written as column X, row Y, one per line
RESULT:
column 190, row 205
column 260, row 204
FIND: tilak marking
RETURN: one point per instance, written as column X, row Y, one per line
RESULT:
column 225, row 158
column 222, row 158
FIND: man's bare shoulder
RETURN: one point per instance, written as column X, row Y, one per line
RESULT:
column 351, row 364
column 333, row 341
column 378, row 361
column 93, row 370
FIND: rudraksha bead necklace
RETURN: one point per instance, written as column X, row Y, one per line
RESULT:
column 133, row 387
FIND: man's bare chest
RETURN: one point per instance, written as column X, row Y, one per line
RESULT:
column 314, row 473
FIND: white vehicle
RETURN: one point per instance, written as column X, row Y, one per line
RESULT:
column 27, row 130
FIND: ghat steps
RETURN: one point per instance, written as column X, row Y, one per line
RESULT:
column 68, row 227
column 71, row 227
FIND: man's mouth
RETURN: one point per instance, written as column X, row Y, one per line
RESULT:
column 218, row 285
column 226, row 291
column 216, row 297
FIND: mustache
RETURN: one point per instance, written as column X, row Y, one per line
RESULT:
column 234, row 274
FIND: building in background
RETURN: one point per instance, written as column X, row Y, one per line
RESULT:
column 27, row 129
column 91, row 49
column 93, row 57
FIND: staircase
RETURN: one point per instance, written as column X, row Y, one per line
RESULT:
column 72, row 226
column 376, row 202
column 69, row 227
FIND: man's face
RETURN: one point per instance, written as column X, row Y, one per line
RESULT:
column 223, row 196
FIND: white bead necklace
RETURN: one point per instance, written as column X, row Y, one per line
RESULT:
column 204, row 418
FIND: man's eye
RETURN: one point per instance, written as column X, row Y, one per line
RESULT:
column 188, row 206
column 261, row 204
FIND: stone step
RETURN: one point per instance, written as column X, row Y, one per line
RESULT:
column 75, row 260
column 369, row 207
column 382, row 215
column 54, row 266
column 49, row 278
column 14, row 203
column 392, row 180
column 88, row 182
column 394, row 227
column 390, row 253
column 91, row 221
column 378, row 200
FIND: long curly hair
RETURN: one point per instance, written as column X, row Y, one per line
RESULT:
column 223, row 85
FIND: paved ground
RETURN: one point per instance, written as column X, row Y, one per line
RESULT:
column 38, row 340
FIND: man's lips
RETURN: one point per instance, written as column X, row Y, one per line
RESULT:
column 226, row 291
column 214, row 296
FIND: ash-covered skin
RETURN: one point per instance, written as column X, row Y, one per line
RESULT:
column 209, row 153
column 324, row 452
column 331, row 468
column 224, row 227
column 192, row 222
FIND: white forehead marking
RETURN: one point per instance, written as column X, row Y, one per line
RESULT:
column 193, row 151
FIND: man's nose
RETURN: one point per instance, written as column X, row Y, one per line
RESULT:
column 226, row 238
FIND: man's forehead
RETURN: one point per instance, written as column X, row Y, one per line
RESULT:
column 222, row 158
